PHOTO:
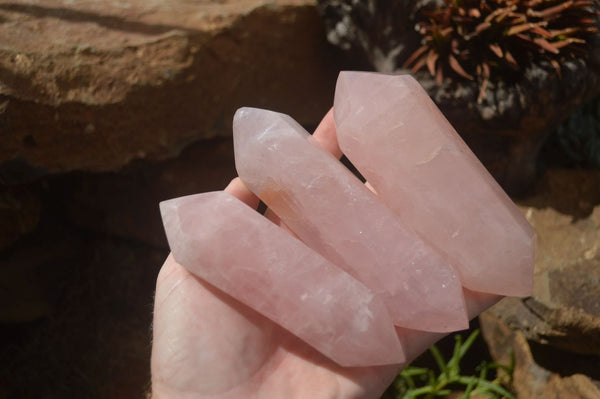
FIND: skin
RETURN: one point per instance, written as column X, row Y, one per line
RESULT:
column 208, row 345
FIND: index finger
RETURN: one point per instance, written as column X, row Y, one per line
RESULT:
column 325, row 134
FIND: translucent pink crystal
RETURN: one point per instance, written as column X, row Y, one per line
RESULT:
column 223, row 241
column 338, row 217
column 401, row 143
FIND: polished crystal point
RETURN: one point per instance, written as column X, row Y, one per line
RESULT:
column 338, row 217
column 402, row 144
column 223, row 241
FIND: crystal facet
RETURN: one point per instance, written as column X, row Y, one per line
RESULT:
column 338, row 217
column 223, row 241
column 402, row 144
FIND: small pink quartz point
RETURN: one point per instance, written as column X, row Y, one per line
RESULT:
column 223, row 241
column 338, row 217
column 420, row 167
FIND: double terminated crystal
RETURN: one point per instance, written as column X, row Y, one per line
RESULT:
column 366, row 258
column 223, row 241
column 338, row 217
column 402, row 144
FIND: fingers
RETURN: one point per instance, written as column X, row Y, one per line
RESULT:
column 169, row 274
column 370, row 187
column 238, row 189
column 326, row 135
column 205, row 343
column 269, row 214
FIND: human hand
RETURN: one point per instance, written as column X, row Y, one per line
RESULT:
column 208, row 345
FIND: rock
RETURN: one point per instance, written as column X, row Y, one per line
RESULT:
column 94, row 85
column 574, row 143
column 125, row 204
column 508, row 128
column 381, row 31
column 97, row 341
column 556, row 331
column 532, row 380
column 32, row 273
column 564, row 310
column 571, row 192
column 19, row 213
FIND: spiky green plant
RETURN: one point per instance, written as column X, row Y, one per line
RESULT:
column 423, row 383
column 482, row 39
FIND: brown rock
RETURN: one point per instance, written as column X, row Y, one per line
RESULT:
column 125, row 204
column 32, row 273
column 94, row 85
column 563, row 327
column 568, row 191
column 532, row 380
column 19, row 213
column 97, row 342
column 555, row 333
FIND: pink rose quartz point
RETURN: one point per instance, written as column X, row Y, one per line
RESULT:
column 338, row 217
column 420, row 167
column 223, row 241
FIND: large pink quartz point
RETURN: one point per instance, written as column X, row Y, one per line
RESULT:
column 338, row 217
column 223, row 241
column 398, row 139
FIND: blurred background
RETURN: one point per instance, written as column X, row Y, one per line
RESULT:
column 108, row 107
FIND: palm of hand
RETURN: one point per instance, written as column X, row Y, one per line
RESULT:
column 208, row 345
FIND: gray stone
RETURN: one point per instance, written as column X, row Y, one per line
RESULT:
column 508, row 127
column 125, row 204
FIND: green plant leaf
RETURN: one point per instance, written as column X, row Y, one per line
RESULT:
column 424, row 383
column 468, row 343
column 439, row 359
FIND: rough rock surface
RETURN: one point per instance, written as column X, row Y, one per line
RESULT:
column 536, row 373
column 95, row 339
column 555, row 332
column 19, row 213
column 125, row 204
column 94, row 85
column 32, row 274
